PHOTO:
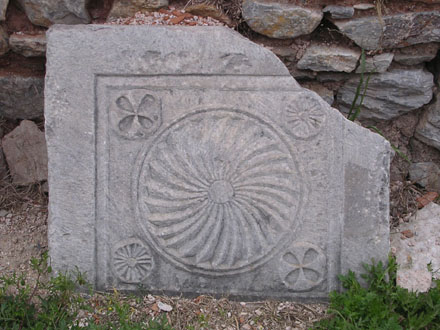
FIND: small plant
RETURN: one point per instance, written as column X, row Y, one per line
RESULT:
column 381, row 304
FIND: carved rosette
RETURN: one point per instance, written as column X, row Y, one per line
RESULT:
column 303, row 266
column 304, row 116
column 131, row 260
column 135, row 113
column 217, row 192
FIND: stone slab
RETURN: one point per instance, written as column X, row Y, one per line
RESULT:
column 187, row 160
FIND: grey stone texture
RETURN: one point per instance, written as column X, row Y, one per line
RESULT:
column 428, row 129
column 127, row 8
column 26, row 154
column 21, row 97
column 3, row 166
column 188, row 160
column 4, row 42
column 339, row 12
column 363, row 6
column 416, row 54
column 278, row 20
column 377, row 63
column 320, row 57
column 3, row 7
column 389, row 94
column 29, row 45
column 48, row 12
column 398, row 31
column 414, row 253
column 426, row 174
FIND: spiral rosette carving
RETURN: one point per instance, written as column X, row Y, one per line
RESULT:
column 304, row 116
column 218, row 190
column 132, row 261
column 302, row 267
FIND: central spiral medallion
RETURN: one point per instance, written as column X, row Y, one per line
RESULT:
column 217, row 192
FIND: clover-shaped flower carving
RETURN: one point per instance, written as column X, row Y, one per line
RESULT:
column 132, row 261
column 303, row 267
column 137, row 114
column 305, row 117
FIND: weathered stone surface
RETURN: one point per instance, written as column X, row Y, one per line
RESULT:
column 26, row 154
column 413, row 254
column 29, row 45
column 426, row 174
column 416, row 54
column 428, row 129
column 4, row 44
column 127, row 8
column 329, row 58
column 192, row 157
column 3, row 7
column 363, row 6
column 389, row 94
column 48, row 12
column 400, row 30
column 278, row 20
column 21, row 97
column 377, row 63
column 326, row 94
column 3, row 166
column 208, row 10
column 339, row 12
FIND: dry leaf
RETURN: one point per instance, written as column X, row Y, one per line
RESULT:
column 426, row 199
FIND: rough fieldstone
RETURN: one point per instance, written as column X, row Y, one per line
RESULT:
column 416, row 54
column 413, row 254
column 363, row 6
column 21, row 97
column 48, row 12
column 3, row 7
column 428, row 129
column 193, row 163
column 3, row 166
column 4, row 44
column 399, row 30
column 29, row 45
column 377, row 63
column 389, row 94
column 426, row 174
column 127, row 8
column 326, row 94
column 339, row 12
column 26, row 154
column 278, row 20
column 329, row 58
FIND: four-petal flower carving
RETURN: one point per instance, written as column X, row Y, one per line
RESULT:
column 303, row 267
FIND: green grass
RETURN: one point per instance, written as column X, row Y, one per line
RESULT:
column 381, row 304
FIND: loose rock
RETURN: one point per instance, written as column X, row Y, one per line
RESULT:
column 127, row 8
column 389, row 94
column 48, row 12
column 416, row 54
column 428, row 129
column 413, row 254
column 326, row 94
column 26, row 154
column 339, row 12
column 426, row 174
column 21, row 97
column 280, row 20
column 3, row 7
column 329, row 58
column 27, row 44
column 377, row 63
column 207, row 10
column 363, row 6
column 398, row 31
column 4, row 45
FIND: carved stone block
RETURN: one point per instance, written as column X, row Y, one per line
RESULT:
column 188, row 160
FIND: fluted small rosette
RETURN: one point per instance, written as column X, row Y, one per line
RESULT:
column 132, row 261
column 218, row 190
